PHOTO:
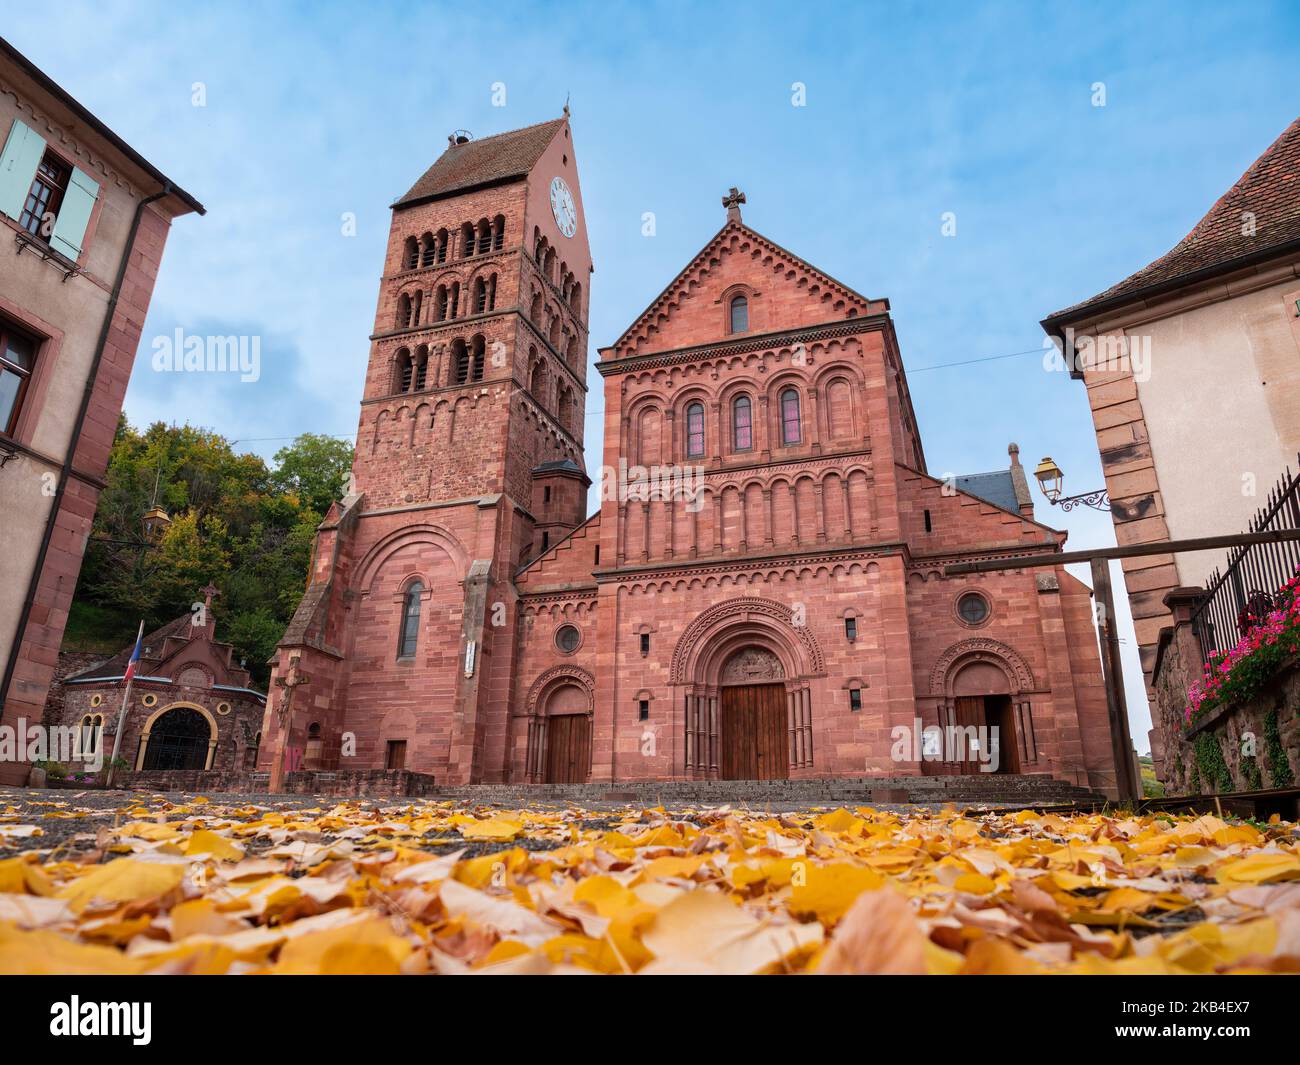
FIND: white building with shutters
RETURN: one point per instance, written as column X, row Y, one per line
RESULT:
column 83, row 221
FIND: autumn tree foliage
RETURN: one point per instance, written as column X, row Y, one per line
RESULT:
column 235, row 521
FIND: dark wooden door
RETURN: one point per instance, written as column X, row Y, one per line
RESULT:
column 969, row 718
column 754, row 734
column 1000, row 716
column 568, row 749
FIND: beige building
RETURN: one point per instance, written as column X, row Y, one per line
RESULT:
column 1192, row 371
column 84, row 218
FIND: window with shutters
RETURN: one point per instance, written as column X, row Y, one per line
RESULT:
column 41, row 208
column 47, row 196
column 17, row 361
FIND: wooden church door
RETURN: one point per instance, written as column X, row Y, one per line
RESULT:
column 755, row 742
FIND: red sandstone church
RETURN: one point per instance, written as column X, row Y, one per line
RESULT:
column 759, row 596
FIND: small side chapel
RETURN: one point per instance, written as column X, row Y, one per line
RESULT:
column 760, row 594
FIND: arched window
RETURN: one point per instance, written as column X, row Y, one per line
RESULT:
column 742, row 424
column 410, row 254
column 575, row 298
column 478, row 348
column 441, row 241
column 466, row 240
column 421, row 367
column 406, row 640
column 404, row 371
column 428, row 252
column 440, row 304
column 403, row 311
column 739, row 314
column 484, row 236
column 695, row 431
column 460, row 360
column 790, row 431
column 498, row 232
column 453, row 300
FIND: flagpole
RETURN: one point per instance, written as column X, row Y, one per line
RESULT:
column 121, row 714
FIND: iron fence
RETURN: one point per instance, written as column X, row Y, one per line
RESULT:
column 1240, row 596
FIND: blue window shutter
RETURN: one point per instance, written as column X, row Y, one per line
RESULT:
column 78, row 202
column 22, row 155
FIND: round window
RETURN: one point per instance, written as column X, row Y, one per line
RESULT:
column 972, row 608
column 567, row 638
column 150, row 699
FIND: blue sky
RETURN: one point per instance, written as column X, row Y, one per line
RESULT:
column 983, row 110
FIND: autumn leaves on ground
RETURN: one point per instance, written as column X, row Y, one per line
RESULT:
column 143, row 885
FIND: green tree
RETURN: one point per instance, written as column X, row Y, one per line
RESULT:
column 314, row 467
column 247, row 529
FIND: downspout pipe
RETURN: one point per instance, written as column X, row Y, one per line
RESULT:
column 12, row 665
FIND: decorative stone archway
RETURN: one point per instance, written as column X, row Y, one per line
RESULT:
column 984, row 668
column 734, row 642
column 566, row 691
column 155, row 728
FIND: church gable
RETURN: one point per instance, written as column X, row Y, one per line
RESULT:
column 780, row 290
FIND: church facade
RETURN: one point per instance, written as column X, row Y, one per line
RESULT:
column 760, row 594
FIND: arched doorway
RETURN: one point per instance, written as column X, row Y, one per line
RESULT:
column 180, row 737
column 560, row 704
column 754, row 721
column 985, row 691
column 753, row 655
column 568, row 736
column 985, row 732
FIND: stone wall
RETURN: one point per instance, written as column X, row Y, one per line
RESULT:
column 344, row 783
column 1236, row 747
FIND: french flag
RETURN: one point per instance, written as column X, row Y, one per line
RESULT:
column 135, row 656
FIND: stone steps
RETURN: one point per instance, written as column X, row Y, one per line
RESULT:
column 994, row 789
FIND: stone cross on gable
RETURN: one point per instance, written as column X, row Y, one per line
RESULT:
column 732, row 202
column 208, row 593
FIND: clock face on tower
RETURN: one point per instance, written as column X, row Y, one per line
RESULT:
column 566, row 215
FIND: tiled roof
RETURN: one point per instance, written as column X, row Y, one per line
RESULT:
column 1269, row 190
column 998, row 488
column 482, row 162
column 152, row 642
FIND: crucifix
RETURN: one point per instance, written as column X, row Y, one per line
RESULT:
column 292, row 680
column 732, row 202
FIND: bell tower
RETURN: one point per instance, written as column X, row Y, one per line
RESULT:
column 469, row 459
column 477, row 372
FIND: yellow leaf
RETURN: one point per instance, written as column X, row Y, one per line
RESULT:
column 974, row 884
column 493, row 829
column 1260, row 868
column 19, row 875
column 123, row 880
column 702, row 932
column 207, row 842
column 50, row 954
column 827, row 891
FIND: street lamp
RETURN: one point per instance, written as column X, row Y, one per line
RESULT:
column 1050, row 478
column 155, row 521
